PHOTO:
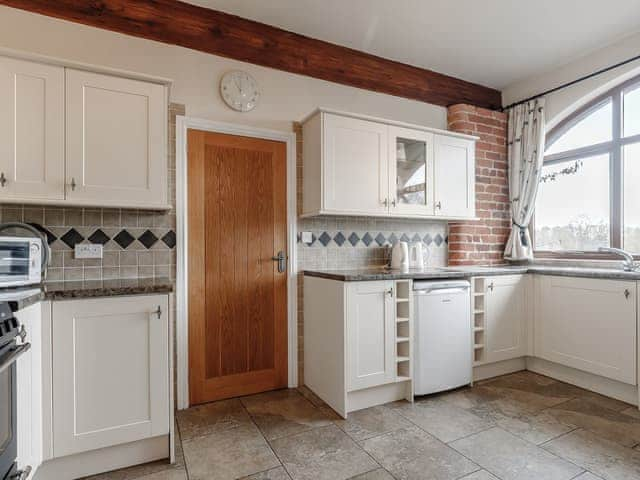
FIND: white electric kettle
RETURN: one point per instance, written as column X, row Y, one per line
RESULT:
column 416, row 256
column 400, row 256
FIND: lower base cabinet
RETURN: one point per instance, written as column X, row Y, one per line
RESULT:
column 110, row 371
column 588, row 324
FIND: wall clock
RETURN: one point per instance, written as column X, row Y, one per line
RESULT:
column 239, row 90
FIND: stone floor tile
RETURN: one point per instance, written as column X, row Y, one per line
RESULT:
column 283, row 412
column 535, row 428
column 480, row 475
column 172, row 474
column 632, row 412
column 211, row 417
column 511, row 458
column 273, row 474
column 408, row 453
column 443, row 420
column 587, row 476
column 324, row 453
column 318, row 402
column 371, row 422
column 137, row 471
column 601, row 400
column 602, row 421
column 604, row 458
column 228, row 454
column 378, row 474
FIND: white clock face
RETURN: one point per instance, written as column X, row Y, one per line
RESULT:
column 239, row 90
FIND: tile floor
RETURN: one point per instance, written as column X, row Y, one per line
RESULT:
column 520, row 426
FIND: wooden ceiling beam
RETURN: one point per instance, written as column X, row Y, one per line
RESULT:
column 218, row 33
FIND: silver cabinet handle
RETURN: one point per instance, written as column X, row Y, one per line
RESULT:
column 490, row 286
column 281, row 258
column 22, row 474
column 393, row 202
column 73, row 184
column 13, row 356
column 627, row 293
column 386, row 202
column 22, row 334
column 390, row 292
column 158, row 312
column 3, row 180
column 439, row 206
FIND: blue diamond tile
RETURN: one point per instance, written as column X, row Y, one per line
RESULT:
column 339, row 239
column 427, row 239
column 72, row 237
column 416, row 238
column 124, row 239
column 148, row 239
column 380, row 240
column 393, row 239
column 324, row 239
column 367, row 239
column 353, row 239
column 438, row 239
column 405, row 238
column 169, row 239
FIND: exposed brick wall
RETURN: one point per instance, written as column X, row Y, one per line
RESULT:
column 482, row 241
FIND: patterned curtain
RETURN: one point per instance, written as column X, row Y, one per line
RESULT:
column 525, row 149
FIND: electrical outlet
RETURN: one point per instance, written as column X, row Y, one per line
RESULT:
column 88, row 250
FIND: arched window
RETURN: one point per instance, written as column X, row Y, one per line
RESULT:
column 589, row 195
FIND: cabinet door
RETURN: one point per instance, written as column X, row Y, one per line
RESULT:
column 505, row 318
column 370, row 334
column 116, row 141
column 454, row 176
column 588, row 324
column 110, row 372
column 410, row 171
column 31, row 131
column 355, row 166
column 29, row 391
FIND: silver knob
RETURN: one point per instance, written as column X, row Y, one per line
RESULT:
column 3, row 180
column 390, row 292
column 439, row 206
column 386, row 202
column 627, row 293
column 393, row 202
column 490, row 287
column 73, row 184
column 158, row 312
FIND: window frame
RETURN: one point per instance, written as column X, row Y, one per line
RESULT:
column 613, row 148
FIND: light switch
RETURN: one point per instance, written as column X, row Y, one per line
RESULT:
column 306, row 237
column 88, row 250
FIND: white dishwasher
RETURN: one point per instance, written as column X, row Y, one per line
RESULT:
column 443, row 347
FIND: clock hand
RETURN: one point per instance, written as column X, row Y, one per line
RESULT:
column 238, row 84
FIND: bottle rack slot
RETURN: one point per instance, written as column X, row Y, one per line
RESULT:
column 478, row 304
column 403, row 333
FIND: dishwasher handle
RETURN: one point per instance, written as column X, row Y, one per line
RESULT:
column 441, row 290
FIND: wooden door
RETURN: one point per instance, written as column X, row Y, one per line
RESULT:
column 237, row 295
column 370, row 335
column 31, row 131
column 356, row 176
column 116, row 141
column 454, row 176
column 505, row 318
column 588, row 324
column 110, row 372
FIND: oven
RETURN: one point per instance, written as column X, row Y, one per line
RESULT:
column 21, row 261
column 10, row 351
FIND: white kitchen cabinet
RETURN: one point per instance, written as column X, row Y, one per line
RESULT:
column 505, row 318
column 31, row 131
column 454, row 176
column 115, row 141
column 370, row 334
column 110, row 372
column 29, row 391
column 358, row 165
column 588, row 324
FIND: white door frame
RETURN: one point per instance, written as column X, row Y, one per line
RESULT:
column 183, row 124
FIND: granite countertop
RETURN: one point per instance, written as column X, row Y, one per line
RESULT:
column 380, row 273
column 21, row 298
column 106, row 288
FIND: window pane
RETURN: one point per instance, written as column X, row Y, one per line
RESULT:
column 631, row 197
column 594, row 128
column 572, row 208
column 631, row 112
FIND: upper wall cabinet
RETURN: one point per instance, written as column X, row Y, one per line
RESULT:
column 364, row 166
column 72, row 137
column 116, row 141
column 31, row 131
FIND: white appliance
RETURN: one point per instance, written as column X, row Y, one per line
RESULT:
column 400, row 256
column 416, row 256
column 443, row 336
column 21, row 261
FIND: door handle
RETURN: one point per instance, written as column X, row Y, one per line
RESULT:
column 281, row 258
column 13, row 356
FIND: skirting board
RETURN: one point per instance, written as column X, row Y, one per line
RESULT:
column 505, row 367
column 595, row 383
column 370, row 397
column 104, row 459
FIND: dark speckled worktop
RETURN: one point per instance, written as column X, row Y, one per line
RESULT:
column 106, row 288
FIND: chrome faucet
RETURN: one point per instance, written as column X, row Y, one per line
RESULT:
column 628, row 263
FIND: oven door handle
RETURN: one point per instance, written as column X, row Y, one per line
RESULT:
column 13, row 356
column 22, row 474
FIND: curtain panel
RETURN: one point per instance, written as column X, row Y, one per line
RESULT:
column 525, row 150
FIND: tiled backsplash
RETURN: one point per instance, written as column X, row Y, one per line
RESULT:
column 137, row 243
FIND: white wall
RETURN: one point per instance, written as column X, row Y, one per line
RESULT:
column 285, row 97
column 565, row 101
